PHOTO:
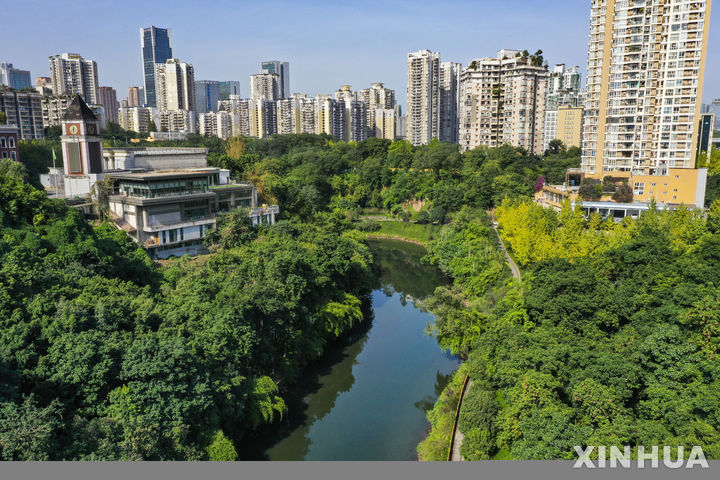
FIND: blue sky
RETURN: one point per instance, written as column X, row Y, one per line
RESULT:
column 328, row 44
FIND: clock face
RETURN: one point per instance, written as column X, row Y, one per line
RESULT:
column 73, row 129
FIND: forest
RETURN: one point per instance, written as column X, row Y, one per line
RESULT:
column 610, row 337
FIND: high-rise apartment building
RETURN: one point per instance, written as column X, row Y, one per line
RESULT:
column 263, row 118
column 156, row 47
column 282, row 69
column 356, row 114
column 564, row 88
column 107, row 97
column 13, row 77
column 432, row 98
column 207, row 95
column 23, row 109
column 377, row 97
column 449, row 122
column 135, row 119
column 214, row 124
column 423, row 97
column 239, row 110
column 503, row 101
column 177, row 121
column 265, row 86
column 384, row 123
column 53, row 110
column 227, row 88
column 71, row 74
column 136, row 98
column 563, row 92
column 303, row 113
column 645, row 78
column 329, row 116
column 175, row 86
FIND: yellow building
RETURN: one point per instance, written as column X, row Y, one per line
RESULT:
column 569, row 125
column 645, row 80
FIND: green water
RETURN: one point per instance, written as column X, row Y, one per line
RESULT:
column 366, row 399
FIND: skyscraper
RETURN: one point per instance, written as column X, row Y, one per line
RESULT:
column 207, row 94
column 107, row 97
column 13, row 77
column 156, row 47
column 423, row 97
column 72, row 74
column 175, row 86
column 282, row 69
column 645, row 77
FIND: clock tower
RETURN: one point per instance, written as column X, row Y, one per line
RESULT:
column 82, row 148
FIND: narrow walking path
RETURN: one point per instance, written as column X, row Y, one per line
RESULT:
column 513, row 266
column 458, row 436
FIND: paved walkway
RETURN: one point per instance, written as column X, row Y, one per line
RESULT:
column 459, row 437
column 510, row 261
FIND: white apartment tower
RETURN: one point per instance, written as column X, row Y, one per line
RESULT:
column 377, row 97
column 356, row 114
column 216, row 125
column 239, row 110
column 72, row 74
column 423, row 97
column 329, row 116
column 449, row 94
column 175, row 85
column 304, row 116
column 645, row 77
column 176, row 120
column 265, row 86
column 502, row 100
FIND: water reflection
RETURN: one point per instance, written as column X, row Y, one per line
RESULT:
column 366, row 399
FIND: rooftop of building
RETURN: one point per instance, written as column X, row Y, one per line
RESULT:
column 164, row 174
column 158, row 150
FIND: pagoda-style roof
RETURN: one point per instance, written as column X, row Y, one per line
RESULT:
column 78, row 110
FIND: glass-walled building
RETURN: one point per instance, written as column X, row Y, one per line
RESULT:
column 156, row 44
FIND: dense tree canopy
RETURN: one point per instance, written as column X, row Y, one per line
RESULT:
column 105, row 356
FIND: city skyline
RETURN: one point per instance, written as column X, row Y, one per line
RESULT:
column 322, row 59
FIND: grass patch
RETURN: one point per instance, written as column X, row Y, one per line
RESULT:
column 408, row 231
